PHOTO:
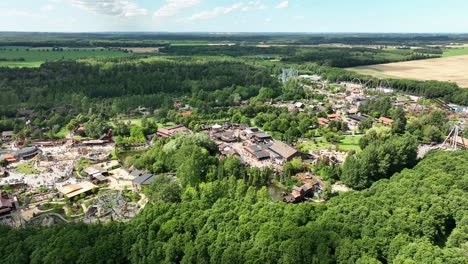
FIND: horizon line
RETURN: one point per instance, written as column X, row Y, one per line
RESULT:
column 239, row 32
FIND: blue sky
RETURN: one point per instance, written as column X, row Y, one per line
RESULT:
column 235, row 15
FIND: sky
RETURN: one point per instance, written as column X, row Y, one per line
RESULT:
column 400, row 16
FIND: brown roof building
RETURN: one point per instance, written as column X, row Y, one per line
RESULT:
column 322, row 121
column 334, row 116
column 285, row 151
column 169, row 131
column 386, row 121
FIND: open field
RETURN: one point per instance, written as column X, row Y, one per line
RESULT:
column 348, row 143
column 455, row 52
column 34, row 57
column 450, row 69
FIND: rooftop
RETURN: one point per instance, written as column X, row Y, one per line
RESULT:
column 144, row 179
column 283, row 149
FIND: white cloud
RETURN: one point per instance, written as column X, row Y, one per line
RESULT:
column 282, row 5
column 254, row 5
column 216, row 11
column 120, row 8
column 245, row 7
column 48, row 8
column 173, row 7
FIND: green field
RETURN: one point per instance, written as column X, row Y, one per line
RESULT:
column 455, row 52
column 34, row 57
column 349, row 143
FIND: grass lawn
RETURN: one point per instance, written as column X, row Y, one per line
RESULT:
column 455, row 52
column 349, row 143
column 133, row 121
column 27, row 168
column 320, row 143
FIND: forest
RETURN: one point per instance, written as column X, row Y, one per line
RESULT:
column 326, row 56
column 152, row 84
column 416, row 216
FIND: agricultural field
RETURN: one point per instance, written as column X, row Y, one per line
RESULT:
column 34, row 57
column 455, row 52
column 449, row 68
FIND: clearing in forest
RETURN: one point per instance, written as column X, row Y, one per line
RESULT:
column 449, row 69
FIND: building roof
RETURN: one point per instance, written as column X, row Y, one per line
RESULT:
column 92, row 170
column 169, row 131
column 307, row 187
column 144, row 179
column 27, row 150
column 7, row 133
column 322, row 121
column 333, row 116
column 357, row 118
column 136, row 173
column 258, row 151
column 186, row 113
column 100, row 177
column 251, row 130
column 297, row 188
column 261, row 135
column 69, row 188
column 283, row 149
column 299, row 105
column 385, row 120
column 73, row 190
column 9, row 156
column 94, row 142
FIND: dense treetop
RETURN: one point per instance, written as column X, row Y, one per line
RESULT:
column 416, row 216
